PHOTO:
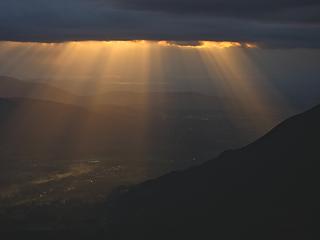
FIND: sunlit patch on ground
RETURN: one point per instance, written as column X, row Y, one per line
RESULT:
column 74, row 171
column 89, row 180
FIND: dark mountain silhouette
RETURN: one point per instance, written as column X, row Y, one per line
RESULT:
column 267, row 190
column 156, row 102
column 121, row 101
column 15, row 88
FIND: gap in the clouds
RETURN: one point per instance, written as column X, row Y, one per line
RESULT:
column 135, row 43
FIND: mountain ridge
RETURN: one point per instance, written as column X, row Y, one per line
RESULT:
column 266, row 189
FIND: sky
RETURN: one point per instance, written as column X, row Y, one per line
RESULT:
column 174, row 45
column 267, row 23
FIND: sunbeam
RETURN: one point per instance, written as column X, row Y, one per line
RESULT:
column 169, row 119
column 124, row 101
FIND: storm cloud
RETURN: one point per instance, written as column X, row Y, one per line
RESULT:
column 281, row 23
column 281, row 10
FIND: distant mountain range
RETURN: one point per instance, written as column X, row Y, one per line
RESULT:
column 125, row 100
column 266, row 190
column 15, row 88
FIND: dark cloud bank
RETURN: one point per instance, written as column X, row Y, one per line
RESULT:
column 281, row 23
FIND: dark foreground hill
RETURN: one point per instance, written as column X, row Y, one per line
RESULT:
column 267, row 190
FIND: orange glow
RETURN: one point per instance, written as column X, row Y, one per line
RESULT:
column 92, row 70
column 207, row 44
column 97, row 63
column 89, row 45
column 240, row 80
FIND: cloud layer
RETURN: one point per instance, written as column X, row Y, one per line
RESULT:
column 281, row 23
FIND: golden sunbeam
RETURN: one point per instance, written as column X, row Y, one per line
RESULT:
column 98, row 66
column 132, row 106
column 245, row 88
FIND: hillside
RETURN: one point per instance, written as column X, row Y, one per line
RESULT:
column 267, row 190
